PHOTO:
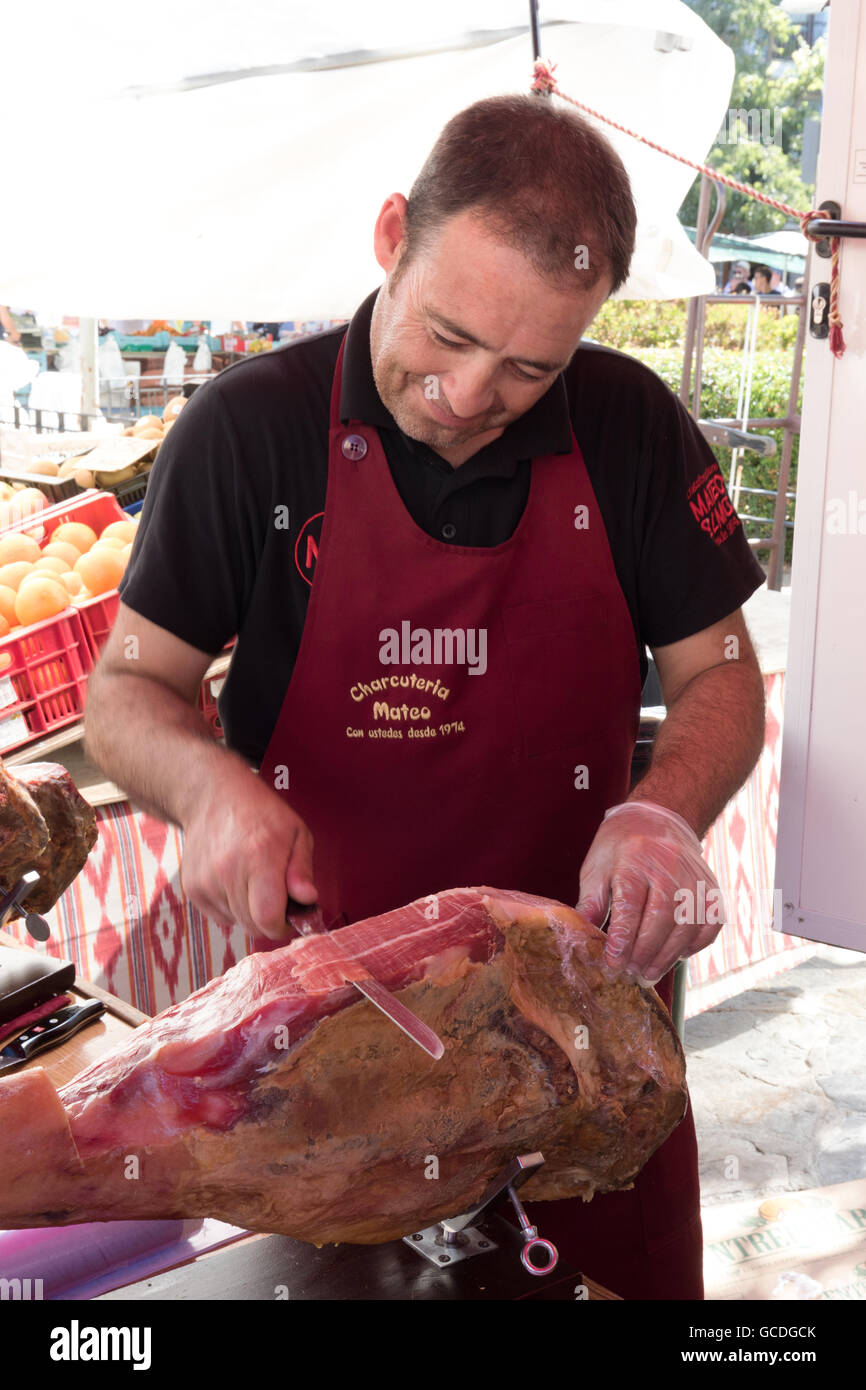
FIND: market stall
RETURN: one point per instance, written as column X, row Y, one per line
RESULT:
column 399, row 1106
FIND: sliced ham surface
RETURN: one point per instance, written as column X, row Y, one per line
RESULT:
column 275, row 1098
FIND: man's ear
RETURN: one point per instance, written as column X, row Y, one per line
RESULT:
column 390, row 231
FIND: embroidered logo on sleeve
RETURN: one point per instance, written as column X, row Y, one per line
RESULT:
column 711, row 506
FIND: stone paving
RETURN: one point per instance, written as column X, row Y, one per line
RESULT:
column 777, row 1074
column 777, row 1077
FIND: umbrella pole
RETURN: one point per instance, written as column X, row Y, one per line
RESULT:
column 536, row 33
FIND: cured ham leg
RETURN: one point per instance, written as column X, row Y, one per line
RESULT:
column 272, row 1100
column 45, row 825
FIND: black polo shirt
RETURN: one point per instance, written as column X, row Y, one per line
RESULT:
column 230, row 524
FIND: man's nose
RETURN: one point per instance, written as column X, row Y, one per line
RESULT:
column 470, row 391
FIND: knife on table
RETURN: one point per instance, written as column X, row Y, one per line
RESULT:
column 49, row 1032
column 356, row 974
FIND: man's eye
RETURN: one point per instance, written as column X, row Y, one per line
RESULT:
column 445, row 341
column 448, row 342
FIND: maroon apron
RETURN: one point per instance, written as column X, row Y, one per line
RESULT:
column 424, row 756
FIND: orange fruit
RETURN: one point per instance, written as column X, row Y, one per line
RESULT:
column 114, row 542
column 18, row 547
column 42, row 597
column 52, row 563
column 12, row 575
column 77, row 533
column 27, row 501
column 4, row 627
column 7, row 603
column 72, row 582
column 63, row 550
column 125, row 529
column 5, row 660
column 38, row 574
column 100, row 570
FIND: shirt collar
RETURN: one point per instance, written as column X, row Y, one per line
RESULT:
column 544, row 429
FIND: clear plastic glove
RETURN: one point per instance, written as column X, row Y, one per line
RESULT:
column 646, row 864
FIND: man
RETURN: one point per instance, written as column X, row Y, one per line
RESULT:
column 551, row 508
column 739, row 279
column 763, row 280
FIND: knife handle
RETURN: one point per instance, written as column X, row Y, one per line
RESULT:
column 33, row 1043
column 293, row 906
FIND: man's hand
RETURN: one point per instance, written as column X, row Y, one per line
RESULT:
column 646, row 862
column 246, row 852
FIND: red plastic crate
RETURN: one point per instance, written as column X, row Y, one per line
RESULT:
column 98, row 615
column 95, row 616
column 207, row 702
column 95, row 508
column 43, row 681
column 208, row 694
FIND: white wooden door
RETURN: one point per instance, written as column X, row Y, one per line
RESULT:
column 821, row 848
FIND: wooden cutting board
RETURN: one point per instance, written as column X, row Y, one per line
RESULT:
column 113, row 1027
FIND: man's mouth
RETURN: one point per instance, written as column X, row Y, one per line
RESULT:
column 446, row 417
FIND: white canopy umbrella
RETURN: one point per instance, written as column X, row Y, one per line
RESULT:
column 225, row 160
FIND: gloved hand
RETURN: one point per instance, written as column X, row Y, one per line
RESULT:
column 646, row 862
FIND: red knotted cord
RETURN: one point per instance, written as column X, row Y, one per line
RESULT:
column 544, row 82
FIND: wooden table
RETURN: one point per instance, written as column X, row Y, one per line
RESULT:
column 266, row 1268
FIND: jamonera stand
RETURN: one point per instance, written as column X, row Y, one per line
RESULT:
column 457, row 1237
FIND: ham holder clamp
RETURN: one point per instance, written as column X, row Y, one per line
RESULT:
column 11, row 901
column 457, row 1238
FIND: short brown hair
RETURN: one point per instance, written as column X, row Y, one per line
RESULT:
column 543, row 180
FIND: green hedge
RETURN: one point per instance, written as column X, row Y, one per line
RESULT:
column 631, row 323
column 654, row 332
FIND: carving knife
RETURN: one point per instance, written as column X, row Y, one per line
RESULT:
column 48, row 1032
column 356, row 974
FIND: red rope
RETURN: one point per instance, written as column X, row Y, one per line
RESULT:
column 544, row 82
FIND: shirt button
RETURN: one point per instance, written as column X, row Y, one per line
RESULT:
column 354, row 446
column 449, row 531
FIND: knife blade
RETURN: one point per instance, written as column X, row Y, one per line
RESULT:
column 49, row 1032
column 356, row 974
column 391, row 1007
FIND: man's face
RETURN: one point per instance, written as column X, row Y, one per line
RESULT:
column 470, row 337
column 762, row 284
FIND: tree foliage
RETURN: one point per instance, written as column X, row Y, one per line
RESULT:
column 776, row 72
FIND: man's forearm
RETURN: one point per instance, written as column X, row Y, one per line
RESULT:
column 707, row 745
column 155, row 746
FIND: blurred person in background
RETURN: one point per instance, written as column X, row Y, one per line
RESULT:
column 739, row 277
column 762, row 283
column 7, row 327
